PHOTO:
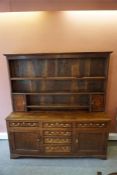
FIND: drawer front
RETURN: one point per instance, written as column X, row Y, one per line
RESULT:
column 58, row 149
column 23, row 124
column 91, row 125
column 57, row 125
column 57, row 133
column 57, row 140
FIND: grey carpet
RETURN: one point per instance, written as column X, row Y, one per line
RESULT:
column 54, row 166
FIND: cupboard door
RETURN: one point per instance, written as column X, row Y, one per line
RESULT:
column 25, row 143
column 97, row 103
column 19, row 103
column 91, row 143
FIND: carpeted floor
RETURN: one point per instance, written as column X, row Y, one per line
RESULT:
column 54, row 166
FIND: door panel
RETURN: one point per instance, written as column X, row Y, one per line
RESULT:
column 19, row 103
column 97, row 103
column 25, row 142
column 90, row 142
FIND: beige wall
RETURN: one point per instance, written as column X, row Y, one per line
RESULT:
column 57, row 32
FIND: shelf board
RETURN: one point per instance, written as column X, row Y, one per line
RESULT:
column 58, row 106
column 57, row 93
column 58, row 78
column 96, row 77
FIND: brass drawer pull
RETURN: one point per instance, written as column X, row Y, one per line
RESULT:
column 38, row 140
column 77, row 140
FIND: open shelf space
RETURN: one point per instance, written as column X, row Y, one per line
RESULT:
column 56, row 67
column 35, row 86
column 55, row 100
column 58, row 107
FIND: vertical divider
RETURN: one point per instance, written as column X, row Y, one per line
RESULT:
column 74, row 73
column 72, row 89
column 90, row 103
column 87, row 67
column 25, row 98
column 56, row 74
column 43, row 84
column 56, row 68
column 29, row 70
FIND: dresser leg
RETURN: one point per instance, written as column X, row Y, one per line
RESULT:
column 99, row 173
column 14, row 156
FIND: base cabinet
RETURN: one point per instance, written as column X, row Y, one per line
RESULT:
column 70, row 135
column 25, row 143
column 91, row 144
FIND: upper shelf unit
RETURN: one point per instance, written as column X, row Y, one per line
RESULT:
column 62, row 81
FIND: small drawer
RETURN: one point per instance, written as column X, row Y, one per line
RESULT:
column 91, row 125
column 57, row 125
column 58, row 149
column 23, row 124
column 57, row 140
column 57, row 133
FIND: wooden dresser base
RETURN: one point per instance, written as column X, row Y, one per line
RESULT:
column 58, row 134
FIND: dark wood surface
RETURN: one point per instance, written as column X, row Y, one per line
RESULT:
column 59, row 81
column 58, row 134
column 58, row 104
column 54, row 115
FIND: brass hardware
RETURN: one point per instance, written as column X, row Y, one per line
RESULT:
column 38, row 140
column 23, row 103
column 77, row 140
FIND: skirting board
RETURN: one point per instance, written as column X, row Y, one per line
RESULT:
column 112, row 136
column 4, row 136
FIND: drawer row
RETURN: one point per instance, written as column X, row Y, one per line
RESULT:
column 56, row 124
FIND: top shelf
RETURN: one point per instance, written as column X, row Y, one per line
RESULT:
column 58, row 78
column 67, row 55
